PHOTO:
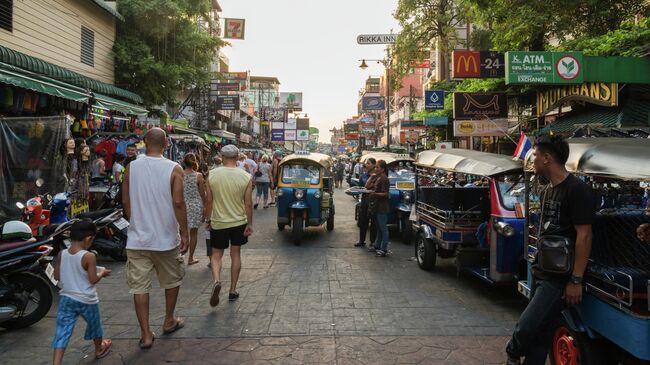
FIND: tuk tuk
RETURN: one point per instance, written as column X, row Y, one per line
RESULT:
column 612, row 323
column 305, row 193
column 469, row 205
column 402, row 185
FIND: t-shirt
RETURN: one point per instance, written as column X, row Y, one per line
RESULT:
column 117, row 168
column 228, row 186
column 250, row 165
column 570, row 203
column 382, row 185
column 265, row 169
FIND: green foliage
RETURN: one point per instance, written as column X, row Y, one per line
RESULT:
column 630, row 40
column 159, row 49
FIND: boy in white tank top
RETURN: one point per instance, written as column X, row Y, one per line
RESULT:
column 77, row 272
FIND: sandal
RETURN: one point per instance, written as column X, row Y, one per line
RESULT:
column 195, row 261
column 107, row 344
column 178, row 325
column 147, row 347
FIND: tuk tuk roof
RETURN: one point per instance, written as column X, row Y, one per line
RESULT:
column 468, row 161
column 389, row 157
column 324, row 160
column 624, row 158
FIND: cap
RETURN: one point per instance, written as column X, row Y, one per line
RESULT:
column 230, row 151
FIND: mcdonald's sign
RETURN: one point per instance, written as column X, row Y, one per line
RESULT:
column 466, row 64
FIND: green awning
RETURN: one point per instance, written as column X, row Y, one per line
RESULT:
column 634, row 113
column 108, row 103
column 38, row 66
column 27, row 80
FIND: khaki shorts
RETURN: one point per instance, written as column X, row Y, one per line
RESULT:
column 141, row 264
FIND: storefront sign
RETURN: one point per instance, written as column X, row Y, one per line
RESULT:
column 370, row 103
column 411, row 123
column 302, row 123
column 477, row 64
column 302, row 135
column 228, row 102
column 289, row 135
column 234, row 28
column 544, row 68
column 291, row 123
column 475, row 128
column 434, row 99
column 591, row 92
column 227, row 86
column 350, row 127
column 436, row 121
column 420, row 64
column 352, row 143
column 241, row 76
column 351, row 136
column 277, row 135
column 480, row 105
column 277, row 125
column 291, row 101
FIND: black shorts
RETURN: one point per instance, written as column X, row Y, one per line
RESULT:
column 222, row 238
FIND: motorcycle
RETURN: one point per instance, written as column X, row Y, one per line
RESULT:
column 112, row 232
column 25, row 296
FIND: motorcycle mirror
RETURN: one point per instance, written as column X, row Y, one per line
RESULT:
column 40, row 182
column 20, row 205
column 48, row 197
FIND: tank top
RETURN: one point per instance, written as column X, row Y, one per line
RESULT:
column 74, row 281
column 153, row 224
column 228, row 186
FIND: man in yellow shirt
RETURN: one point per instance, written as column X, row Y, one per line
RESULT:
column 230, row 208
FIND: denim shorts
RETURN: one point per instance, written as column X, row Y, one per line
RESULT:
column 66, row 318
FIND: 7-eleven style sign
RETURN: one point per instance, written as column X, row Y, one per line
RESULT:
column 234, row 28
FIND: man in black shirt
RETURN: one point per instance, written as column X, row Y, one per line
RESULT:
column 568, row 210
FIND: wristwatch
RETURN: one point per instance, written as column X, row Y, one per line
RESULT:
column 575, row 279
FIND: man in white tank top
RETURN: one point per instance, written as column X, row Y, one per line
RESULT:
column 158, row 235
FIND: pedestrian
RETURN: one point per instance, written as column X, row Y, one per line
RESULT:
column 118, row 168
column 339, row 171
column 98, row 167
column 241, row 161
column 275, row 171
column 153, row 200
column 131, row 154
column 250, row 164
column 262, row 182
column 77, row 271
column 195, row 201
column 230, row 201
column 380, row 199
column 568, row 210
column 364, row 216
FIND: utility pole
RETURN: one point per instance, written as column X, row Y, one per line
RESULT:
column 388, row 98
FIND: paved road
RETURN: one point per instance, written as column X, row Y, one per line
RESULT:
column 322, row 302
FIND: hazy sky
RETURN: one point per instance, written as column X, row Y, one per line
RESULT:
column 310, row 46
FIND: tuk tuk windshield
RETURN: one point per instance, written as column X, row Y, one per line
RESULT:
column 400, row 173
column 511, row 190
column 301, row 172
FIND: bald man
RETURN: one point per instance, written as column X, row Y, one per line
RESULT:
column 158, row 235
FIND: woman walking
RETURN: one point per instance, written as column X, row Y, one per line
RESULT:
column 380, row 197
column 262, row 182
column 195, row 200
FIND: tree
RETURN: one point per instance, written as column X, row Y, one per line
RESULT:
column 630, row 40
column 159, row 49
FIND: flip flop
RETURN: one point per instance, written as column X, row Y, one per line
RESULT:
column 107, row 349
column 195, row 261
column 179, row 324
column 147, row 347
column 214, row 298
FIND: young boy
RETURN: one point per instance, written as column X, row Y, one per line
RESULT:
column 77, row 272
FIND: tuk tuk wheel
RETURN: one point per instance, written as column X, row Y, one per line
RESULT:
column 407, row 229
column 425, row 252
column 281, row 226
column 573, row 348
column 297, row 230
column 330, row 220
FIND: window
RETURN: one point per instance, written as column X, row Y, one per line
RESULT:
column 87, row 46
column 7, row 15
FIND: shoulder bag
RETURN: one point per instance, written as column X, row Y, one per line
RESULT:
column 555, row 254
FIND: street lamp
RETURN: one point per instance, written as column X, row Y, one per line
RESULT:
column 386, row 64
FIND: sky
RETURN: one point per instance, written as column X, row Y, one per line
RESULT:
column 310, row 46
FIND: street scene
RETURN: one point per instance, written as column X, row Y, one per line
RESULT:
column 366, row 182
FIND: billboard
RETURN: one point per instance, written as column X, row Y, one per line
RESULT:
column 477, row 64
column 227, row 86
column 291, row 101
column 478, row 128
column 275, row 115
column 480, row 105
column 277, row 135
column 291, row 123
column 277, row 125
column 370, row 103
column 240, row 76
column 302, row 135
column 234, row 28
column 228, row 102
column 434, row 99
column 289, row 135
column 302, row 123
column 350, row 127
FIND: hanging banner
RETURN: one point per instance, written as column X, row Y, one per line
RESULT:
column 370, row 103
column 234, row 28
column 480, row 105
column 277, row 135
column 228, row 102
column 477, row 128
column 598, row 93
column 291, row 101
column 544, row 68
column 434, row 99
column 289, row 135
column 302, row 135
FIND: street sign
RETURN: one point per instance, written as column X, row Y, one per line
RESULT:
column 434, row 99
column 477, row 64
column 480, row 105
column 229, row 102
column 369, row 103
column 544, row 68
column 436, row 121
column 376, row 38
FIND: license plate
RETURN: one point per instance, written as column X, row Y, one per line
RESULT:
column 49, row 271
column 300, row 183
column 405, row 185
column 121, row 224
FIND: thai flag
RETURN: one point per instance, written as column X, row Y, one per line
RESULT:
column 523, row 146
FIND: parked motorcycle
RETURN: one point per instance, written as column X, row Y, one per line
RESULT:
column 25, row 296
column 112, row 231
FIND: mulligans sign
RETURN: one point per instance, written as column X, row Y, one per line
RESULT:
column 599, row 93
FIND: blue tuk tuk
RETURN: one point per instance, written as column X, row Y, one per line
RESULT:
column 469, row 205
column 612, row 323
column 305, row 195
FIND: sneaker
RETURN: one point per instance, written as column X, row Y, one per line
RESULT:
column 233, row 296
column 214, row 298
column 360, row 244
column 381, row 253
column 372, row 248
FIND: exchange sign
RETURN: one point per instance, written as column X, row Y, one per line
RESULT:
column 544, row 68
column 434, row 99
column 377, row 38
column 370, row 103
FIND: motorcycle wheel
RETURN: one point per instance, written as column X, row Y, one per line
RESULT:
column 26, row 287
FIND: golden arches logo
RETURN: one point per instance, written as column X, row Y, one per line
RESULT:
column 467, row 61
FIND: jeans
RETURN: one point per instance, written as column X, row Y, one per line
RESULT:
column 364, row 221
column 381, row 243
column 263, row 188
column 532, row 335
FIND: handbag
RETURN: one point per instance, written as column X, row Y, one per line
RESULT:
column 258, row 173
column 555, row 254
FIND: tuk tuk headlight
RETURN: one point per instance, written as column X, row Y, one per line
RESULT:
column 280, row 192
column 317, row 194
column 407, row 197
column 504, row 229
column 299, row 194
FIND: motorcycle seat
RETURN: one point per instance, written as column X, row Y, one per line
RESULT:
column 10, row 245
column 95, row 214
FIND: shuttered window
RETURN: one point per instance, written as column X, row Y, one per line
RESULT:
column 7, row 15
column 87, row 46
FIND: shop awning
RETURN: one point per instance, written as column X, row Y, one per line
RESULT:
column 30, row 81
column 108, row 103
column 634, row 113
column 225, row 134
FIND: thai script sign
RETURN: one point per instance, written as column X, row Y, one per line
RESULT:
column 544, row 68
column 476, row 128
